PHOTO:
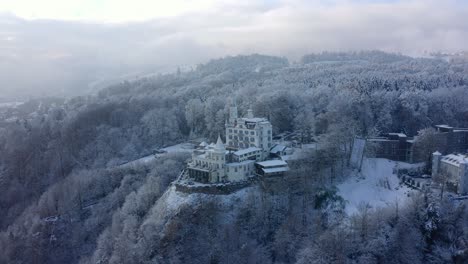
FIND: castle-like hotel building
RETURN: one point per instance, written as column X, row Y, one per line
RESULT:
column 248, row 143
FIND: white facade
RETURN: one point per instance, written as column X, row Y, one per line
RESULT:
column 248, row 132
column 238, row 171
column 210, row 163
column 454, row 167
column 248, row 140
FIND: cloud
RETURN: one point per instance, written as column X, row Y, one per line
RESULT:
column 50, row 56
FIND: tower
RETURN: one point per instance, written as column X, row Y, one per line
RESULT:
column 219, row 159
column 250, row 113
column 233, row 112
column 436, row 157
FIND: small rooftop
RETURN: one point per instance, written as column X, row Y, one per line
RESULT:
column 443, row 126
column 255, row 119
column 278, row 148
column 455, row 159
column 397, row 134
column 272, row 163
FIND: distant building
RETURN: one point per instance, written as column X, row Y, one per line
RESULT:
column 271, row 168
column 248, row 142
column 395, row 146
column 279, row 150
column 454, row 168
column 452, row 140
column 399, row 147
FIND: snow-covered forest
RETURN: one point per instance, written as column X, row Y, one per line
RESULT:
column 67, row 198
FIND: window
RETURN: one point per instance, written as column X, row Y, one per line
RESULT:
column 246, row 132
column 269, row 131
column 230, row 130
column 252, row 139
column 230, row 136
column 252, row 133
column 235, row 169
column 235, row 131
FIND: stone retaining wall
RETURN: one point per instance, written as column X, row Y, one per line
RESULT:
column 219, row 189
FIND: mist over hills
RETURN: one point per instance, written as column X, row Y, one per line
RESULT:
column 67, row 196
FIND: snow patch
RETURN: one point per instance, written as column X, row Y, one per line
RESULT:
column 183, row 147
column 376, row 185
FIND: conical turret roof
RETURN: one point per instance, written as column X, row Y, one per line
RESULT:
column 219, row 144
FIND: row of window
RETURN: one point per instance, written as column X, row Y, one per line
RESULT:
column 252, row 139
column 210, row 165
column 250, row 154
column 240, row 131
column 241, row 145
column 245, row 132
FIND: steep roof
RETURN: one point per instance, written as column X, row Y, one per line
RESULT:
column 278, row 148
column 455, row 159
column 272, row 163
column 219, row 144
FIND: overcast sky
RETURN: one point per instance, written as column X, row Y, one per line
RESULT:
column 56, row 46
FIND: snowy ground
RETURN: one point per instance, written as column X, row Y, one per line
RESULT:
column 173, row 201
column 182, row 147
column 179, row 148
column 376, row 185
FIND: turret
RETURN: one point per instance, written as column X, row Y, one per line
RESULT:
column 250, row 113
column 220, row 145
column 436, row 157
column 233, row 112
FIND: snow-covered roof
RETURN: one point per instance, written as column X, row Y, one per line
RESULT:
column 397, row 134
column 272, row 163
column 246, row 151
column 455, row 159
column 273, row 170
column 437, row 153
column 203, row 144
column 254, row 119
column 220, row 144
column 278, row 148
column 444, row 126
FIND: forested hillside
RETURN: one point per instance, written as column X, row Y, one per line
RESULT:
column 65, row 196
